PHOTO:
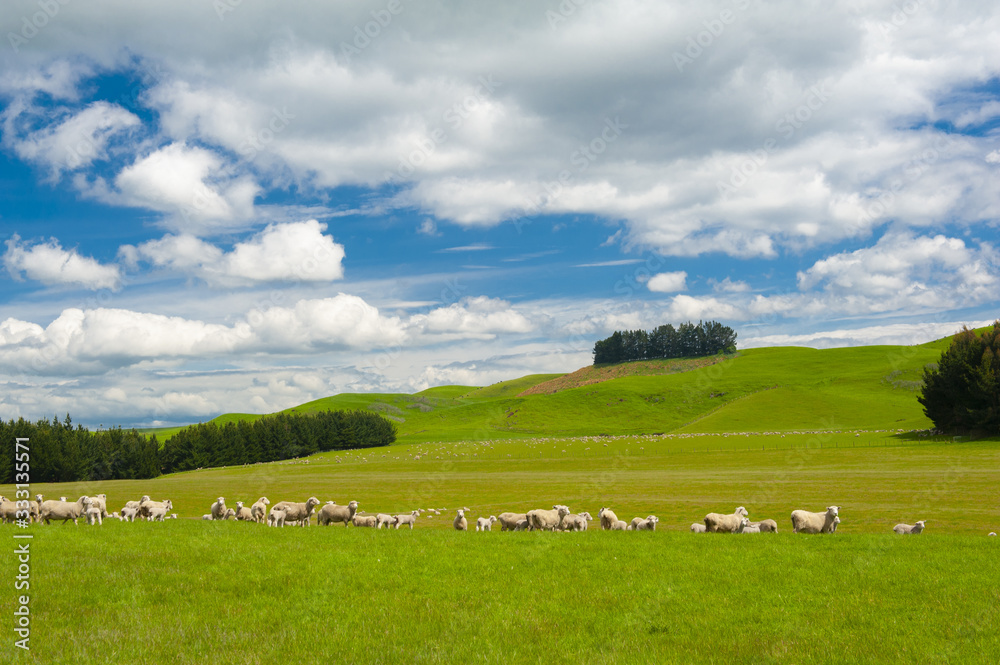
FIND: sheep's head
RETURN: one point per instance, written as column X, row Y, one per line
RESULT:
column 741, row 511
column 239, row 505
column 167, row 505
column 461, row 513
column 220, row 501
column 311, row 503
column 562, row 511
column 919, row 526
column 833, row 510
column 492, row 519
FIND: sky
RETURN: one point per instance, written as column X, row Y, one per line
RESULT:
column 238, row 206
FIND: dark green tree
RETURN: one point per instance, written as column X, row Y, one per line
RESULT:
column 962, row 394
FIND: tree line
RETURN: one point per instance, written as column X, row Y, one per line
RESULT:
column 688, row 340
column 60, row 452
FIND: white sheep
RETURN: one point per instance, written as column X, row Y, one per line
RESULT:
column 63, row 510
column 643, row 524
column 331, row 513
column 410, row 519
column 913, row 529
column 619, row 525
column 276, row 517
column 298, row 512
column 804, row 521
column 607, row 517
column 992, row 533
column 384, row 519
column 364, row 520
column 207, row 516
column 547, row 520
column 128, row 513
column 93, row 513
column 576, row 522
column 460, row 523
column 766, row 526
column 485, row 524
column 219, row 509
column 836, row 522
column 243, row 513
column 101, row 501
column 158, row 509
column 509, row 521
column 716, row 523
column 750, row 528
column 698, row 527
column 522, row 525
column 259, row 509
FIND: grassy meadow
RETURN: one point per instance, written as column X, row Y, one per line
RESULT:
column 771, row 429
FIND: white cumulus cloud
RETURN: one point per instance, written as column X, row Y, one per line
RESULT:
column 49, row 263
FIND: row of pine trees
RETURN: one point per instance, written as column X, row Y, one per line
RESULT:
column 686, row 341
column 58, row 452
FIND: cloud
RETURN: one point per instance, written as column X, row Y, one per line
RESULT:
column 190, row 185
column 343, row 321
column 50, row 264
column 290, row 252
column 76, row 141
column 479, row 317
column 668, row 282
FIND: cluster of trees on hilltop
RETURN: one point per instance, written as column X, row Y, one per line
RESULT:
column 686, row 341
column 962, row 393
column 60, row 453
column 275, row 437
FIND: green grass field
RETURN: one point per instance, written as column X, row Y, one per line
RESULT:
column 773, row 430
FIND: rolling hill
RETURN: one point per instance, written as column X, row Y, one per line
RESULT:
column 768, row 389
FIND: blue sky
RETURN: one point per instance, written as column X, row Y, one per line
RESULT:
column 212, row 207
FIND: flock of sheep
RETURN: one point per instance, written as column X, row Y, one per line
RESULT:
column 291, row 513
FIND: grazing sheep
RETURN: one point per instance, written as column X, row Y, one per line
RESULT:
column 93, row 513
column 547, row 520
column 509, row 521
column 619, row 525
column 364, row 520
column 607, row 517
column 804, row 521
column 63, row 510
column 576, row 522
column 383, row 518
column 716, row 523
column 259, row 509
column 276, row 517
column 913, row 529
column 461, row 524
column 331, row 513
column 766, row 526
column 698, row 527
column 219, row 509
column 485, row 524
column 243, row 513
column 410, row 519
column 158, row 510
column 298, row 512
column 101, row 501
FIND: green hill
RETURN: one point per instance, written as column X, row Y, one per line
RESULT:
column 778, row 389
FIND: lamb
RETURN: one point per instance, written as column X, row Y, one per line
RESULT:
column 243, row 513
column 640, row 524
column 219, row 509
column 63, row 510
column 410, row 519
column 461, row 524
column 485, row 524
column 207, row 516
column 128, row 513
column 805, row 522
column 576, row 522
column 158, row 510
column 364, row 520
column 766, row 526
column 716, row 523
column 383, row 518
column 619, row 525
column 750, row 528
column 230, row 514
column 836, row 521
column 698, row 527
column 509, row 521
column 522, row 525
column 910, row 528
column 298, row 512
column 101, row 501
column 608, row 518
column 331, row 513
column 93, row 513
column 276, row 517
column 258, row 511
column 547, row 520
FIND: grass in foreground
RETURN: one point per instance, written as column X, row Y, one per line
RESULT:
column 189, row 592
